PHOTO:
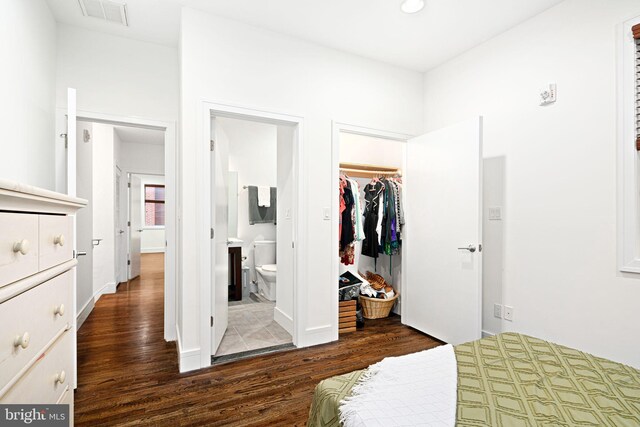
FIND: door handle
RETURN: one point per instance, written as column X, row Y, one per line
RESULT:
column 469, row 248
column 80, row 253
column 140, row 230
column 120, row 231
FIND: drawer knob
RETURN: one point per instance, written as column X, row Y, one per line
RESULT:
column 59, row 310
column 22, row 246
column 61, row 377
column 21, row 340
column 59, row 240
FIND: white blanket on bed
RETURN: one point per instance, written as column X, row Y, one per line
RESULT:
column 418, row 389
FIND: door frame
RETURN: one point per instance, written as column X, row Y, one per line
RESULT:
column 214, row 109
column 117, row 208
column 337, row 129
column 171, row 230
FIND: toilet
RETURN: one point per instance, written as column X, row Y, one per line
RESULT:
column 264, row 260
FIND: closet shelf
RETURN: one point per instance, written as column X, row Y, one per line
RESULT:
column 368, row 171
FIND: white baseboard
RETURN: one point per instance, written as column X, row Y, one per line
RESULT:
column 317, row 335
column 486, row 334
column 84, row 312
column 283, row 320
column 152, row 250
column 87, row 308
column 109, row 288
column 188, row 360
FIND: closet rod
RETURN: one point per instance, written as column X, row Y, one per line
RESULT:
column 368, row 171
column 357, row 173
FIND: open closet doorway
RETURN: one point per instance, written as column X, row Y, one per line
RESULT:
column 431, row 218
column 371, row 214
column 253, row 169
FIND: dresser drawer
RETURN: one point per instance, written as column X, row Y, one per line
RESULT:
column 18, row 246
column 47, row 379
column 67, row 399
column 40, row 313
column 56, row 240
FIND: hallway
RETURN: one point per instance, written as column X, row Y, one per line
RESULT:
column 128, row 374
column 116, row 344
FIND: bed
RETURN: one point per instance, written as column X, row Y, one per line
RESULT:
column 516, row 380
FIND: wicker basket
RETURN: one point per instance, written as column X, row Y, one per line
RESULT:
column 377, row 308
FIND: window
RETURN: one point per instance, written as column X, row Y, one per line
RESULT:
column 153, row 205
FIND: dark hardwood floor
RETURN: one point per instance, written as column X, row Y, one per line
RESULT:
column 128, row 374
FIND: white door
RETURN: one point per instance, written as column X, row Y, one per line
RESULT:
column 135, row 220
column 219, row 242
column 83, row 177
column 442, row 242
column 120, row 236
column 71, row 178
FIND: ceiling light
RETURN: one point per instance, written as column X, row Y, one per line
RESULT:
column 412, row 6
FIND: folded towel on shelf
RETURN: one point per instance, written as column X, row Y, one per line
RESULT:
column 259, row 214
column 264, row 196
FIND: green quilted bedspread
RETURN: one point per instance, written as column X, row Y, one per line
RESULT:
column 513, row 380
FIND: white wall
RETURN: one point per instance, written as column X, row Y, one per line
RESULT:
column 116, row 75
column 104, row 267
column 560, row 170
column 253, row 154
column 152, row 240
column 146, row 159
column 143, row 159
column 27, row 85
column 283, row 311
column 371, row 151
column 228, row 62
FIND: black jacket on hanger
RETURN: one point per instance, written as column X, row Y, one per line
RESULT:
column 372, row 195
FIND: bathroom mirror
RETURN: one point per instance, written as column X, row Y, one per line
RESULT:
column 233, row 204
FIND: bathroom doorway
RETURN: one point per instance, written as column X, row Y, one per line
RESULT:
column 253, row 228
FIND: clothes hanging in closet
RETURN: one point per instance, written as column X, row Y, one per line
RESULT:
column 350, row 219
column 392, row 221
column 383, row 217
column 372, row 199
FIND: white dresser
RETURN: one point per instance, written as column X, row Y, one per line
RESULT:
column 37, row 298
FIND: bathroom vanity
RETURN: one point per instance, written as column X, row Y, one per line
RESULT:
column 235, row 269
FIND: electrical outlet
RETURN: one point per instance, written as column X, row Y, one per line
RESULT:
column 497, row 311
column 508, row 313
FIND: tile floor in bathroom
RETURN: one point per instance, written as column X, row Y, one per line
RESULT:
column 251, row 327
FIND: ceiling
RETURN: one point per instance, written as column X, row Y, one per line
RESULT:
column 140, row 135
column 375, row 29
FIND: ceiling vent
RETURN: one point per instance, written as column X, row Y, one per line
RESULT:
column 107, row 10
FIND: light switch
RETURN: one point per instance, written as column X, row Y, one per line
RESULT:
column 326, row 214
column 495, row 213
column 287, row 213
